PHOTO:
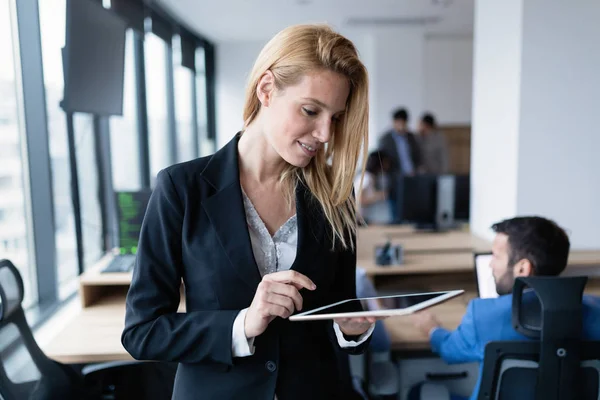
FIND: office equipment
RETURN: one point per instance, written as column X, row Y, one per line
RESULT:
column 556, row 364
column 121, row 263
column 93, row 59
column 40, row 377
column 389, row 254
column 444, row 211
column 131, row 207
column 390, row 306
column 486, row 285
column 428, row 201
column 462, row 197
column 418, row 199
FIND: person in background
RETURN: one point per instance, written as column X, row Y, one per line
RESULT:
column 523, row 246
column 434, row 149
column 402, row 148
column 374, row 193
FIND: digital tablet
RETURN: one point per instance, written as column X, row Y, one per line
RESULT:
column 388, row 306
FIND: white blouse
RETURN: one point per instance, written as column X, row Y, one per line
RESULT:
column 272, row 254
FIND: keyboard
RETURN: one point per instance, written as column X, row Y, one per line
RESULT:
column 121, row 263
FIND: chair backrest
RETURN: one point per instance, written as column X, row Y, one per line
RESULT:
column 25, row 372
column 555, row 364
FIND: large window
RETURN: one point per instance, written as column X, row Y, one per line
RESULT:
column 124, row 134
column 207, row 146
column 156, row 88
column 14, row 231
column 184, row 79
column 89, row 195
column 52, row 29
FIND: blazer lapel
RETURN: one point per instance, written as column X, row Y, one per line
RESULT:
column 225, row 209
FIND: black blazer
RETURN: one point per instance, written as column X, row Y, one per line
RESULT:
column 387, row 144
column 195, row 229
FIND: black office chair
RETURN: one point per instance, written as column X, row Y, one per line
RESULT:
column 556, row 366
column 27, row 373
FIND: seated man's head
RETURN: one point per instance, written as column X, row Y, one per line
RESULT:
column 527, row 246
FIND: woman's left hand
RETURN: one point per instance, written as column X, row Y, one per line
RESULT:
column 355, row 326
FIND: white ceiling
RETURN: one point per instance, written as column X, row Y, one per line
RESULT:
column 243, row 20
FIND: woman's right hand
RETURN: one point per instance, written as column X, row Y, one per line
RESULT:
column 277, row 296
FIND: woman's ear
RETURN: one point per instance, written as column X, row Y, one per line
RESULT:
column 266, row 88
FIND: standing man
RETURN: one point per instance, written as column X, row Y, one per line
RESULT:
column 402, row 149
column 434, row 149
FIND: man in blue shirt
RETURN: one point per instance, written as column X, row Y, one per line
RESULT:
column 401, row 147
column 523, row 246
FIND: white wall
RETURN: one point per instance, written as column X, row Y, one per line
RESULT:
column 559, row 167
column 234, row 62
column 535, row 125
column 495, row 127
column 448, row 77
column 398, row 74
column 404, row 70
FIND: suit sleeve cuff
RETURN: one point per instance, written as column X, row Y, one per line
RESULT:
column 241, row 346
column 436, row 337
column 432, row 330
column 351, row 343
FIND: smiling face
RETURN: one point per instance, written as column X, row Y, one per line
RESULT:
column 300, row 119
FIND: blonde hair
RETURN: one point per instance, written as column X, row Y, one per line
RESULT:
column 290, row 55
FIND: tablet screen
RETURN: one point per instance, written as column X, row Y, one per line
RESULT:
column 385, row 302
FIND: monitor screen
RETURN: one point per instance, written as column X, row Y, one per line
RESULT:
column 93, row 59
column 418, row 200
column 486, row 285
column 131, row 207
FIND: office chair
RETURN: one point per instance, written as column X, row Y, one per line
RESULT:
column 27, row 373
column 555, row 364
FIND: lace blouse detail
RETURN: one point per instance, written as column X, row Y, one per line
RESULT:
column 272, row 253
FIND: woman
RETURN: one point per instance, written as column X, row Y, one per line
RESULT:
column 258, row 231
column 373, row 194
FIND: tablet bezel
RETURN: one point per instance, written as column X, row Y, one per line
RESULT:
column 444, row 295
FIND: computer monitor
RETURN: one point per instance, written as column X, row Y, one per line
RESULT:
column 486, row 286
column 131, row 207
column 418, row 199
column 428, row 201
column 93, row 59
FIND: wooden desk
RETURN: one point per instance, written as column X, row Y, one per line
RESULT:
column 449, row 263
column 580, row 263
column 406, row 337
column 95, row 285
column 418, row 242
column 94, row 335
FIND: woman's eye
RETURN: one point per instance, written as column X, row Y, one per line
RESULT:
column 309, row 112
